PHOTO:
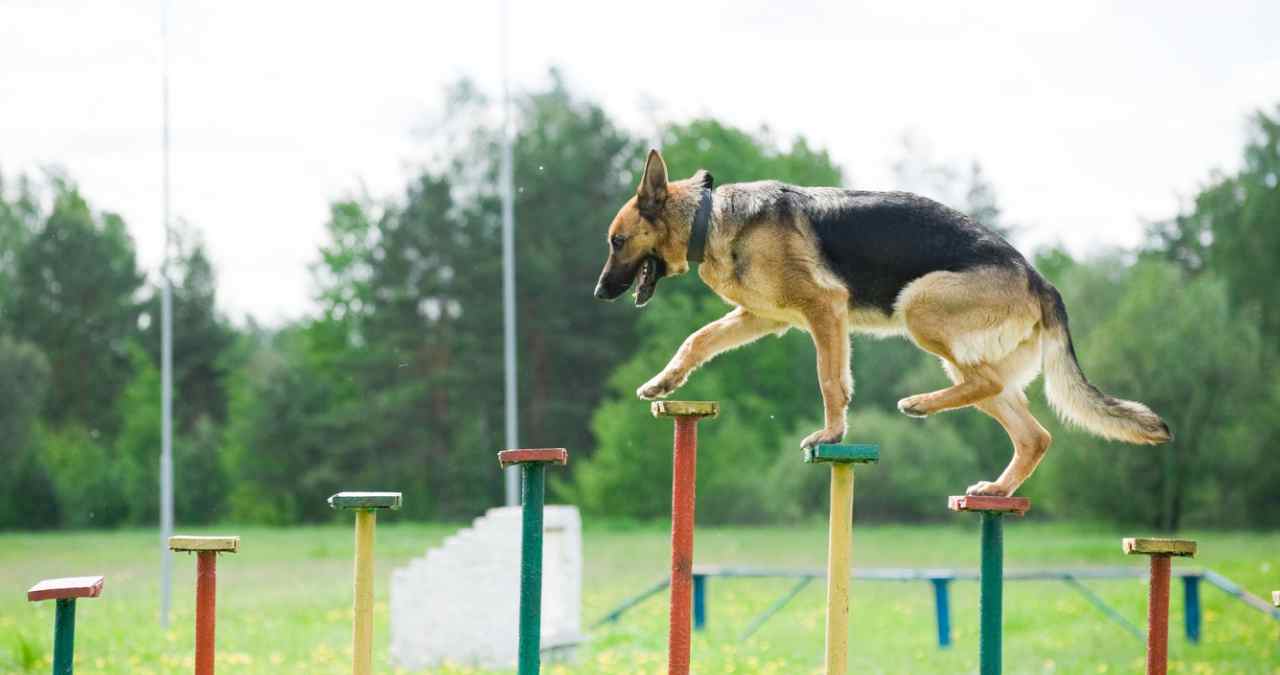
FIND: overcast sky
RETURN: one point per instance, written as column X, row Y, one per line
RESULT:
column 1087, row 118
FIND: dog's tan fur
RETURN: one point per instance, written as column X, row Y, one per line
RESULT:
column 984, row 324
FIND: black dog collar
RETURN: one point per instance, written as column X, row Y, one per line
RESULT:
column 701, row 225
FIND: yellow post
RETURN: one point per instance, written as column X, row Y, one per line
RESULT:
column 362, row 626
column 839, row 552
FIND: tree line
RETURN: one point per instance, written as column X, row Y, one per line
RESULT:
column 394, row 381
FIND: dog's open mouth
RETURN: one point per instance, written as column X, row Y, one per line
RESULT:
column 652, row 268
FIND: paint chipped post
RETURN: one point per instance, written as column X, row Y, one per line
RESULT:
column 365, row 504
column 841, row 457
column 206, row 550
column 533, row 482
column 991, row 577
column 1160, row 551
column 65, row 591
column 683, row 485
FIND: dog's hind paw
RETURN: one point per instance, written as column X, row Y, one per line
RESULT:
column 986, row 488
column 911, row 407
column 822, row 436
column 655, row 389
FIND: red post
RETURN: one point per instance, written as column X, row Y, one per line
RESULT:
column 685, row 466
column 684, row 469
column 206, row 599
column 1158, row 617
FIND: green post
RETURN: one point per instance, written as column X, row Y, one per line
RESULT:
column 991, row 601
column 533, row 471
column 991, row 595
column 64, row 636
column 534, row 478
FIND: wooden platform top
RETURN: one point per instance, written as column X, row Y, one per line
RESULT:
column 1179, row 547
column 508, row 458
column 843, row 453
column 1018, row 506
column 216, row 544
column 684, row 408
column 365, row 500
column 67, row 587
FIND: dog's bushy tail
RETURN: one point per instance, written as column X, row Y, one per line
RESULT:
column 1078, row 402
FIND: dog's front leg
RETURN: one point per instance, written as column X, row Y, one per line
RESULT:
column 830, row 330
column 734, row 329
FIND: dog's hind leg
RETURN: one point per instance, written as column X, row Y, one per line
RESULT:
column 1030, row 442
column 734, row 329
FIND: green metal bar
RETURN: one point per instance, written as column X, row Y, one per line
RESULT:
column 64, row 636
column 534, row 479
column 775, row 608
column 1097, row 601
column 991, row 600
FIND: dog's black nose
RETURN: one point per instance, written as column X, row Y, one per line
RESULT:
column 601, row 294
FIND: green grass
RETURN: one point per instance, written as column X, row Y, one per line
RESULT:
column 284, row 602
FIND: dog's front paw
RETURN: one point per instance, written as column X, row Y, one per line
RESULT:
column 822, row 436
column 912, row 406
column 986, row 488
column 660, row 386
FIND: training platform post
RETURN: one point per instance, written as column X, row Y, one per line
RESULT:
column 991, row 577
column 206, row 550
column 840, row 542
column 1160, row 551
column 365, row 504
column 533, row 465
column 65, row 591
column 683, row 480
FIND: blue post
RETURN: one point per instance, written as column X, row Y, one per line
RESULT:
column 942, row 608
column 1191, row 607
column 699, row 601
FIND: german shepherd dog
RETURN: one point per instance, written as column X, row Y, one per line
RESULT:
column 832, row 261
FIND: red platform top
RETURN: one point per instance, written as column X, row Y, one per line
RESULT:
column 68, row 587
column 508, row 458
column 1016, row 505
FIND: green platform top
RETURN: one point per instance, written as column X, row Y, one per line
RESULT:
column 684, row 408
column 1179, row 547
column 215, row 544
column 843, row 453
column 365, row 500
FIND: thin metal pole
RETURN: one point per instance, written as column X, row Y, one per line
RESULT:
column 942, row 608
column 839, row 566
column 362, row 624
column 508, row 275
column 531, row 568
column 166, row 347
column 685, row 468
column 1158, row 617
column 1191, row 607
column 206, row 609
column 64, row 636
column 991, row 600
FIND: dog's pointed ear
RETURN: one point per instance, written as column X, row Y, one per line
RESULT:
column 653, row 185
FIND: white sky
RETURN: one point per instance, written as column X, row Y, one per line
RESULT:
column 1087, row 118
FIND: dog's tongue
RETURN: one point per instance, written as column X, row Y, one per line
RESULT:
column 647, row 282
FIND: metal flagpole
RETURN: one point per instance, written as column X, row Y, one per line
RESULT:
column 508, row 274
column 166, row 350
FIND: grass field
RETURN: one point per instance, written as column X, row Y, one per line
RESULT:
column 284, row 602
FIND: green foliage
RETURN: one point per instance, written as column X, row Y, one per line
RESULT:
column 25, row 492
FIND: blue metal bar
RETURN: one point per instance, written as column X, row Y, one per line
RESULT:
column 942, row 609
column 1244, row 596
column 699, row 601
column 627, row 604
column 1097, row 601
column 775, row 608
column 1191, row 607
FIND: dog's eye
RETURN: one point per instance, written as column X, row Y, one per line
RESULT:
column 617, row 241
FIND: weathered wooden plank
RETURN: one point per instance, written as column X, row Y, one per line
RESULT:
column 1016, row 505
column 508, row 458
column 66, row 587
column 217, row 544
column 1154, row 546
column 365, row 500
column 843, row 453
column 685, row 408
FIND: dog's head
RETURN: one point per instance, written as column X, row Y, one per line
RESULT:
column 643, row 247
